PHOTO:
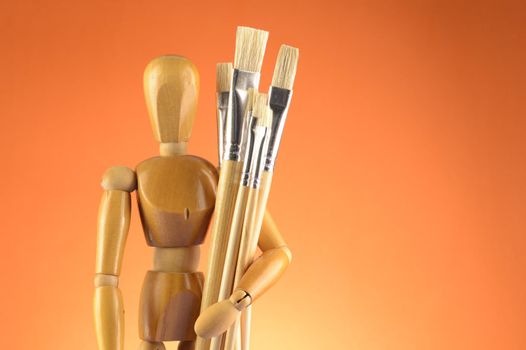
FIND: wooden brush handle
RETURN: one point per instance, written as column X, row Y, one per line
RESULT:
column 246, row 319
column 248, row 240
column 224, row 208
column 260, row 275
column 249, row 237
column 229, row 270
column 227, row 280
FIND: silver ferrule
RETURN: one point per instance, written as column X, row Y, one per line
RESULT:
column 248, row 141
column 222, row 110
column 257, row 143
column 279, row 102
column 248, row 123
column 255, row 173
column 241, row 82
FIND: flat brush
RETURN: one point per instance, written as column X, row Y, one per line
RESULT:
column 223, row 84
column 250, row 49
column 279, row 101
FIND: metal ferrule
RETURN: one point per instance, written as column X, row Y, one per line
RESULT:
column 279, row 102
column 248, row 123
column 248, row 141
column 222, row 110
column 237, row 102
column 257, row 142
column 257, row 170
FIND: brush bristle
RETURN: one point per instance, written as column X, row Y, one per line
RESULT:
column 250, row 49
column 285, row 70
column 261, row 110
column 223, row 77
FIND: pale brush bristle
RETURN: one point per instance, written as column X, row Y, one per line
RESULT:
column 285, row 70
column 261, row 110
column 223, row 77
column 250, row 49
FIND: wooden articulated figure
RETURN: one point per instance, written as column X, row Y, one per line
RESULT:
column 176, row 197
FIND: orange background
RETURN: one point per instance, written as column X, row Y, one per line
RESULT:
column 400, row 185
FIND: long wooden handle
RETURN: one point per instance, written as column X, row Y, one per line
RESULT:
column 229, row 269
column 245, row 323
column 227, row 280
column 247, row 249
column 265, row 184
column 224, row 208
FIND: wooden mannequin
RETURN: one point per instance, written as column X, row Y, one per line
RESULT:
column 176, row 197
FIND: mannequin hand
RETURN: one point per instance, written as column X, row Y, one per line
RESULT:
column 217, row 318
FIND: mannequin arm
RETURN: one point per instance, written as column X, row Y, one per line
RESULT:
column 112, row 230
column 259, row 277
column 267, row 269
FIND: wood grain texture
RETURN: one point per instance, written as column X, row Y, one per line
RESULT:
column 224, row 208
column 180, row 259
column 264, row 272
column 171, row 90
column 109, row 318
column 234, row 239
column 247, row 247
column 169, row 306
column 112, row 230
column 176, row 198
column 269, row 238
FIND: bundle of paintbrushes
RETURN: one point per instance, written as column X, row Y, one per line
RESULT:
column 250, row 126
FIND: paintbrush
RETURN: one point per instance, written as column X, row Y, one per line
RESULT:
column 250, row 49
column 257, row 146
column 227, row 277
column 258, row 137
column 223, row 84
column 279, row 101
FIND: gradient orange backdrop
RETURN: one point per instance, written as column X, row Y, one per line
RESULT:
column 400, row 185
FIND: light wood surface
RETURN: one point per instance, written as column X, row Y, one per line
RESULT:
column 167, row 149
column 176, row 199
column 112, row 230
column 171, row 90
column 227, row 279
column 247, row 244
column 109, row 318
column 269, row 238
column 224, row 208
column 169, row 305
column 245, row 327
column 180, row 259
column 119, row 178
column 221, row 315
column 106, row 280
column 264, row 272
column 260, row 276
